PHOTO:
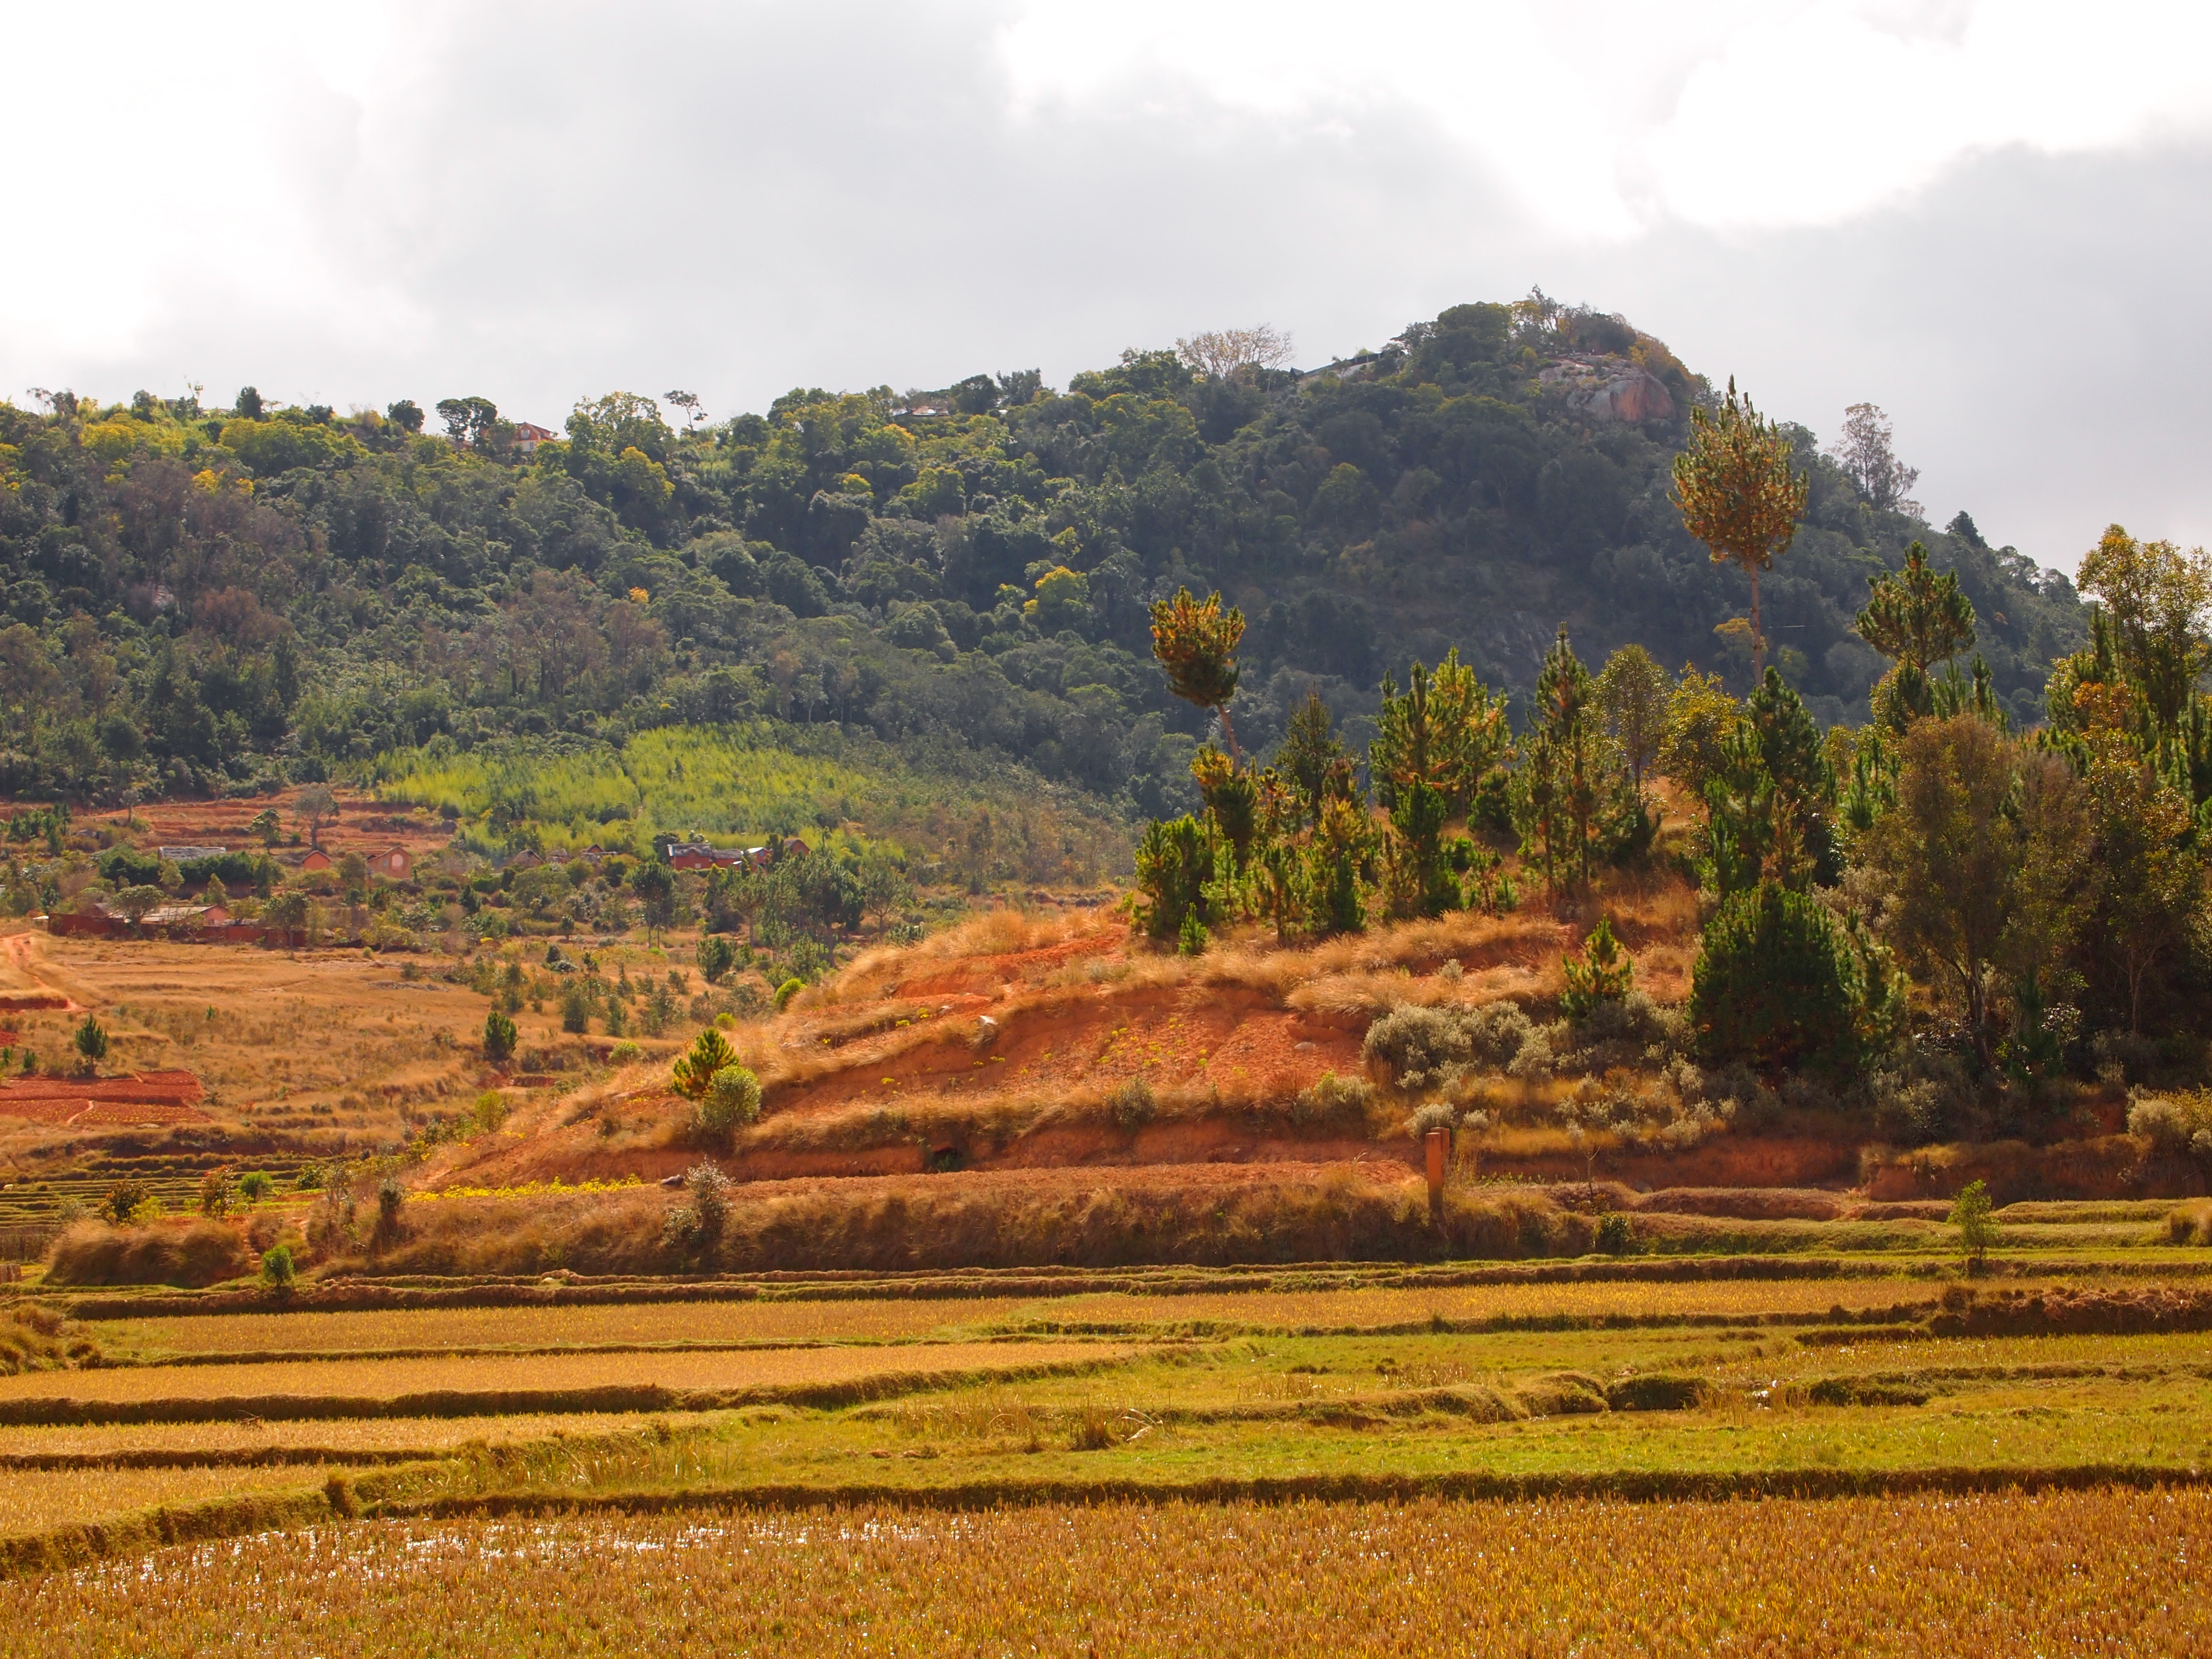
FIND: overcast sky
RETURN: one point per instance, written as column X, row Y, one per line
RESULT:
column 1993, row 220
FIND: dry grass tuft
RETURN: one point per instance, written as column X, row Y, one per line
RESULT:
column 193, row 1255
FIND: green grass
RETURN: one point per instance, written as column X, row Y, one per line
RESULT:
column 741, row 782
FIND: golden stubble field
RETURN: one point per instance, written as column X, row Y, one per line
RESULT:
column 977, row 1474
column 327, row 1041
column 2100, row 1572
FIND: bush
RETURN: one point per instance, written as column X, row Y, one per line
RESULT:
column 731, row 1101
column 1333, row 1101
column 696, row 1227
column 1614, row 1236
column 128, row 1200
column 216, row 1194
column 256, row 1186
column 2173, row 1124
column 1498, row 1032
column 715, row 956
column 1434, row 1115
column 693, row 1073
column 91, row 1041
column 785, row 992
column 1601, row 974
column 277, row 1269
column 1417, row 1046
column 1175, row 862
column 391, row 1205
column 576, row 1008
column 624, row 1054
column 1132, row 1106
column 499, row 1038
column 2191, row 1224
column 191, row 1257
column 1970, row 1214
column 1779, row 982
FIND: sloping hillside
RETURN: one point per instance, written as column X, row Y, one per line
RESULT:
column 211, row 600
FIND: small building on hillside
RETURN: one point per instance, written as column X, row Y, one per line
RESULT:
column 185, row 915
column 393, row 864
column 528, row 435
column 316, row 860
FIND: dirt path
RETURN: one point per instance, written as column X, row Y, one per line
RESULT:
column 26, row 980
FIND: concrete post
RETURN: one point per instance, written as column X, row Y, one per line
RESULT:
column 1439, row 1142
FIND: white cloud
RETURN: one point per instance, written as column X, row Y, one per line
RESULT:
column 1603, row 119
column 1988, row 218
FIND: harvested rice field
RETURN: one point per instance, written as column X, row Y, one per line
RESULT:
column 1996, row 1575
column 1207, row 1463
column 243, row 1441
column 581, row 1375
column 846, row 1320
column 33, row 1500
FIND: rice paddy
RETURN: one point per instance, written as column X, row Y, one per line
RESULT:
column 1999, row 1575
column 1367, row 1462
column 498, row 1377
column 766, row 1322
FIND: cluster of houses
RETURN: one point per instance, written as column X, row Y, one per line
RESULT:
column 213, row 923
column 697, row 854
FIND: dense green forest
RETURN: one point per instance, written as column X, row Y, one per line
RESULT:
column 204, row 600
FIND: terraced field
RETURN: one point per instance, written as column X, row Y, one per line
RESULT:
column 1536, row 1420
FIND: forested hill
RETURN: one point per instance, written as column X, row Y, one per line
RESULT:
column 203, row 599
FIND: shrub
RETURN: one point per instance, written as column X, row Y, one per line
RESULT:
column 1970, row 1214
column 1600, row 975
column 1435, row 1115
column 201, row 1254
column 693, row 1073
column 1780, row 983
column 489, row 1111
column 256, row 1186
column 1498, row 1031
column 1614, row 1236
column 1417, row 1046
column 1132, row 1106
column 576, row 1007
column 715, row 956
column 1332, row 1102
column 391, row 1203
column 785, row 992
column 498, row 1037
column 2173, row 1124
column 277, row 1269
column 1175, row 862
column 624, row 1054
column 216, row 1194
column 732, row 1100
column 2191, row 1224
column 696, row 1227
column 128, row 1200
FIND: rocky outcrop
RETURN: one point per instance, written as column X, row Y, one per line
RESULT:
column 1607, row 389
